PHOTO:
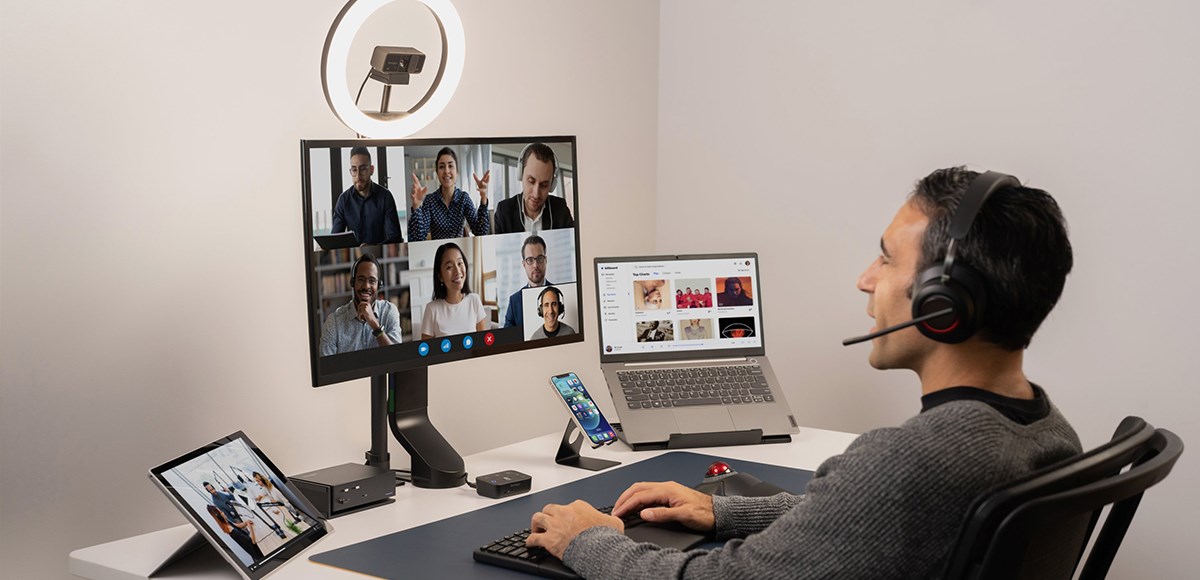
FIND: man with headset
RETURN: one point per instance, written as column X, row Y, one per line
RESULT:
column 551, row 309
column 535, row 209
column 891, row 506
column 365, row 321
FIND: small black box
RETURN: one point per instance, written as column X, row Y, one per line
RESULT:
column 502, row 484
column 347, row 488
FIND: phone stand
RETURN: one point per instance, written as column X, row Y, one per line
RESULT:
column 568, row 452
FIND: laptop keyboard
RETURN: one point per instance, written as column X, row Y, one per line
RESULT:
column 686, row 387
column 511, row 552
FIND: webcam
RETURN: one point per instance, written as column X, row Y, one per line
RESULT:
column 393, row 64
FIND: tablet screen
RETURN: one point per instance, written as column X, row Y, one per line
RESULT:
column 242, row 503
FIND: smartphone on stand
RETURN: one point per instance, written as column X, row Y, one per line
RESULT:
column 583, row 409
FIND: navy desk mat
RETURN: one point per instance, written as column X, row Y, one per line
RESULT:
column 444, row 548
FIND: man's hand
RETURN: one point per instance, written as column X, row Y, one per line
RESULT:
column 668, row 501
column 418, row 193
column 482, row 185
column 367, row 315
column 555, row 526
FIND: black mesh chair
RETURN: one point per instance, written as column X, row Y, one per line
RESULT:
column 1039, row 526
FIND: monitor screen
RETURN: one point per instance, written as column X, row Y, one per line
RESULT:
column 424, row 251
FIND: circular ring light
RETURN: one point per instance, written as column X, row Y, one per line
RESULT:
column 337, row 52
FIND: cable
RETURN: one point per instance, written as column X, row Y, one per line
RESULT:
column 361, row 87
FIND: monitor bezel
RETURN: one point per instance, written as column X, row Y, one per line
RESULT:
column 368, row 365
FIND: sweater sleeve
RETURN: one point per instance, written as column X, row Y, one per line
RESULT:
column 738, row 517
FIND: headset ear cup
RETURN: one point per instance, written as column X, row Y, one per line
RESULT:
column 963, row 292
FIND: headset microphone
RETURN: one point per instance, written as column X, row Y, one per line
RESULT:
column 902, row 326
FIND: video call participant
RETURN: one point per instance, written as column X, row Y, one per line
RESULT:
column 533, row 257
column 891, row 506
column 367, row 208
column 551, row 309
column 363, row 322
column 443, row 215
column 534, row 209
column 241, row 532
column 454, row 308
column 734, row 294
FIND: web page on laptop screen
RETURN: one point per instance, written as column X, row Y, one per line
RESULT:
column 679, row 305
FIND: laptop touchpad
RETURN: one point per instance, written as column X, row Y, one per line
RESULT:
column 703, row 420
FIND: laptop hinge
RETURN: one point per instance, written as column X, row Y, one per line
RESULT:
column 687, row 362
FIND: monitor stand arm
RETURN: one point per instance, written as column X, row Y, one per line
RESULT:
column 401, row 400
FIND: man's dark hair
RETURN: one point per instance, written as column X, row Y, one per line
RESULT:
column 439, row 287
column 446, row 151
column 360, row 150
column 531, row 240
column 540, row 150
column 1018, row 243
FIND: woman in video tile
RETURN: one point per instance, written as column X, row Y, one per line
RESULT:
column 454, row 308
column 442, row 215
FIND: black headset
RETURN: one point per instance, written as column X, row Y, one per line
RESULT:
column 367, row 257
column 957, row 286
column 562, row 307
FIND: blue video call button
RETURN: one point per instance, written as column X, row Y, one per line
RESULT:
column 445, row 345
column 423, row 348
column 468, row 342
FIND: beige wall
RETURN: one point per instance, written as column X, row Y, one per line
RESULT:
column 153, row 284
column 795, row 129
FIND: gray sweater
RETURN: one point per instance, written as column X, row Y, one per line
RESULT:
column 889, row 507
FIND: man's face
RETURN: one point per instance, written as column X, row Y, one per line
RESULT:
column 887, row 282
column 209, row 488
column 551, row 308
column 534, row 259
column 366, row 283
column 361, row 170
column 535, row 183
column 447, row 172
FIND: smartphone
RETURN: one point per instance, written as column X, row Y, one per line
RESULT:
column 583, row 409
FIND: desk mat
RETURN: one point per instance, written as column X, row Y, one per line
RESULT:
column 443, row 548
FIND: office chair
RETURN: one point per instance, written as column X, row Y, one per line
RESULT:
column 1039, row 526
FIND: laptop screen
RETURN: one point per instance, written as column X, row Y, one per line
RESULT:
column 679, row 305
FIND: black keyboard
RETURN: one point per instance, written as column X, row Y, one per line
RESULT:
column 511, row 552
column 686, row 387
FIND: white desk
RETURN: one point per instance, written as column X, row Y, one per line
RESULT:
column 136, row 557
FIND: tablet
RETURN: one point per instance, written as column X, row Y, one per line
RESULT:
column 242, row 504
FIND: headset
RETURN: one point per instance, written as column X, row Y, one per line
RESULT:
column 367, row 257
column 562, row 307
column 949, row 298
column 525, row 153
column 957, row 286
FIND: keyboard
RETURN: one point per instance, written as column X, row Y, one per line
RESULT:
column 686, row 387
column 511, row 552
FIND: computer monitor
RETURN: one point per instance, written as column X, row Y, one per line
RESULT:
column 406, row 268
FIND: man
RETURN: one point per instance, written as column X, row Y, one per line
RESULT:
column 706, row 298
column 534, row 209
column 892, row 504
column 367, row 209
column 533, row 257
column 363, row 322
column 550, row 308
column 225, row 502
column 734, row 294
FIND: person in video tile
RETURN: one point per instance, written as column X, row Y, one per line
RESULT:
column 650, row 294
column 535, row 209
column 367, row 208
column 533, row 258
column 365, row 321
column 241, row 532
column 454, row 308
column 442, row 215
column 550, row 308
column 736, row 293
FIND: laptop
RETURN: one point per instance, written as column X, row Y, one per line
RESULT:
column 683, row 352
column 337, row 241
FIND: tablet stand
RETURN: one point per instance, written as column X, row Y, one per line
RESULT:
column 568, row 452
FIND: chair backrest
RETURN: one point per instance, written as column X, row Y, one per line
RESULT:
column 1039, row 526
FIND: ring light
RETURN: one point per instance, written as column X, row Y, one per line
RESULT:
column 337, row 52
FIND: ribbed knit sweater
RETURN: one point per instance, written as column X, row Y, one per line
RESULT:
column 891, row 506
